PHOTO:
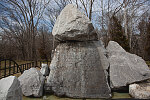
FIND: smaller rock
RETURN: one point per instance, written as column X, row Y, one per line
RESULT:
column 45, row 70
column 72, row 25
column 125, row 68
column 140, row 91
column 10, row 89
column 32, row 82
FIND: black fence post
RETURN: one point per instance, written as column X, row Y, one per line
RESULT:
column 36, row 63
column 17, row 68
column 14, row 68
column 5, row 69
column 9, row 67
column 27, row 65
column 22, row 67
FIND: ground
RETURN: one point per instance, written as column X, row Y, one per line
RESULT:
column 52, row 97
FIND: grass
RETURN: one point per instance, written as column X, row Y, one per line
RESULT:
column 48, row 97
column 148, row 63
column 117, row 95
column 52, row 97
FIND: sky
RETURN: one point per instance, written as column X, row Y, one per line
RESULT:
column 96, row 12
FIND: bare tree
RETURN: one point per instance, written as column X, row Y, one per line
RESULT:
column 53, row 10
column 86, row 5
column 25, row 14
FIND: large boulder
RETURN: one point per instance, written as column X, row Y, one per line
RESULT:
column 125, row 68
column 45, row 69
column 71, row 24
column 77, row 71
column 140, row 90
column 10, row 89
column 32, row 82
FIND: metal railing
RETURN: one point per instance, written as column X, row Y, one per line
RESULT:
column 10, row 67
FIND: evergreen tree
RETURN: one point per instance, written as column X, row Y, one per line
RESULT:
column 147, row 48
column 144, row 27
column 117, row 35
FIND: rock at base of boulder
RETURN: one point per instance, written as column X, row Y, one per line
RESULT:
column 32, row 82
column 10, row 89
column 45, row 70
column 140, row 91
column 125, row 68
column 77, row 71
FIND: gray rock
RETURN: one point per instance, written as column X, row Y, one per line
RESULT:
column 125, row 68
column 32, row 82
column 102, row 52
column 10, row 89
column 77, row 71
column 140, row 91
column 71, row 24
column 45, row 70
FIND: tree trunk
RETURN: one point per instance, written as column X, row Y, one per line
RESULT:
column 125, row 19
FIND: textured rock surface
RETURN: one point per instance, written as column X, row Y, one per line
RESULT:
column 32, row 82
column 10, row 89
column 71, row 24
column 45, row 70
column 125, row 68
column 77, row 71
column 140, row 91
column 48, row 88
column 102, row 52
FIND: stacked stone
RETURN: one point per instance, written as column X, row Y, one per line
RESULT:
column 78, row 66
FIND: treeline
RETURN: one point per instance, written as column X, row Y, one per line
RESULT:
column 26, row 25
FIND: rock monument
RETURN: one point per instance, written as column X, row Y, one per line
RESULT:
column 77, row 68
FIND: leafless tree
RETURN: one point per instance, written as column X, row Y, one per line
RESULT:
column 21, row 19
